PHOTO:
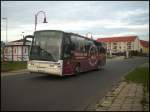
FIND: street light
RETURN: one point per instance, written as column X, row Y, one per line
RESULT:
column 89, row 35
column 23, row 35
column 36, row 15
column 5, row 18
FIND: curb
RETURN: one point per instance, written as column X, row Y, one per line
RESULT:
column 3, row 74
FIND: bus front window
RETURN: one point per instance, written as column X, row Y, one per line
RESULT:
column 46, row 46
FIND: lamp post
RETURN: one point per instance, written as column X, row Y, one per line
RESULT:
column 22, row 35
column 5, row 18
column 89, row 35
column 22, row 46
column 36, row 15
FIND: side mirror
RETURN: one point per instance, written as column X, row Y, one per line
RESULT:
column 25, row 38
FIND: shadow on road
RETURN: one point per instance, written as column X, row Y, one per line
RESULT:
column 59, row 78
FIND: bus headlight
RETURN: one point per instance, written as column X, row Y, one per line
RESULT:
column 30, row 63
column 57, row 65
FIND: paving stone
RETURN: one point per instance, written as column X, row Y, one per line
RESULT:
column 116, row 92
column 124, row 91
column 116, row 105
column 114, row 108
column 131, row 94
column 106, row 104
column 109, row 94
column 118, row 99
column 125, row 97
column 129, row 99
column 136, row 104
column 146, row 108
column 109, row 98
column 147, row 97
column 119, row 88
column 126, row 108
column 138, row 94
column 128, row 102
column 137, row 100
column 127, row 105
column 140, row 88
column 132, row 87
column 100, row 109
column 137, row 108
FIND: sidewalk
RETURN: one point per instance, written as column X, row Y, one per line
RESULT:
column 125, row 96
column 13, row 72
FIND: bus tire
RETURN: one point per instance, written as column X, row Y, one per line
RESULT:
column 32, row 72
column 77, row 69
column 99, row 66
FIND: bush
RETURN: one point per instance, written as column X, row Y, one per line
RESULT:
column 10, row 66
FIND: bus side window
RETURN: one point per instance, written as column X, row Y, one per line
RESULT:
column 82, row 44
column 67, row 49
column 102, row 50
column 74, row 42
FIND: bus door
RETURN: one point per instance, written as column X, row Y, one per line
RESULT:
column 67, row 56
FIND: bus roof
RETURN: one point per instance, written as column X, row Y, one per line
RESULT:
column 70, row 34
column 49, row 30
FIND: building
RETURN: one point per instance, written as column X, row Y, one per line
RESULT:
column 2, row 48
column 16, row 51
column 144, row 47
column 125, row 43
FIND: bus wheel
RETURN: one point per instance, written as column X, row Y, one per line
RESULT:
column 99, row 66
column 31, row 72
column 77, row 69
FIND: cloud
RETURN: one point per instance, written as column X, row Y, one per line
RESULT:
column 137, row 28
column 132, row 13
column 81, row 26
column 101, row 18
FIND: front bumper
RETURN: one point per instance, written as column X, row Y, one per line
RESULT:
column 42, row 67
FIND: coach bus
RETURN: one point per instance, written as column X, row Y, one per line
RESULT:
column 62, row 53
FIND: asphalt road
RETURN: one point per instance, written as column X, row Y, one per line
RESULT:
column 44, row 92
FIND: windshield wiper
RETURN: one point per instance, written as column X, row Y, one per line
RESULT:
column 49, row 54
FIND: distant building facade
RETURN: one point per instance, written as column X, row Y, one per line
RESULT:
column 144, row 46
column 16, row 51
column 125, row 43
column 2, row 49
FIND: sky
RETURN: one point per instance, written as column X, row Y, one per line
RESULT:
column 100, row 18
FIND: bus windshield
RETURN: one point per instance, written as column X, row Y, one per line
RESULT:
column 46, row 46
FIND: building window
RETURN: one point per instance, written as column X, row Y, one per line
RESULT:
column 129, row 47
column 25, row 50
column 114, row 43
column 128, row 43
column 15, row 50
column 6, row 50
column 115, row 47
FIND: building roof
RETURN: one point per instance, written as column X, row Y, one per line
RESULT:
column 144, row 43
column 18, row 43
column 21, row 40
column 118, row 39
